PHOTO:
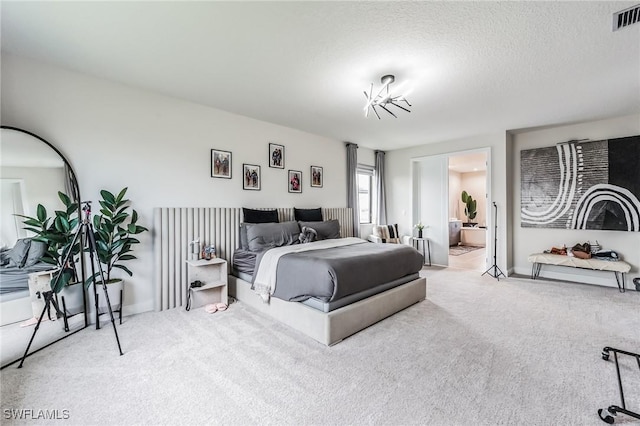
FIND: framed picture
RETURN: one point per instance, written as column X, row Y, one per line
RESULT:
column 251, row 177
column 295, row 181
column 276, row 156
column 220, row 164
column 316, row 177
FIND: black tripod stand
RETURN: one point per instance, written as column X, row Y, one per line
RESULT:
column 85, row 229
column 496, row 270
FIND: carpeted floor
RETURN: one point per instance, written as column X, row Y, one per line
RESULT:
column 477, row 351
column 459, row 250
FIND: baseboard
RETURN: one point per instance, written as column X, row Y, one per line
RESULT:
column 582, row 276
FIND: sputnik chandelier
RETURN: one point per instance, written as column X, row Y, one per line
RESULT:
column 383, row 98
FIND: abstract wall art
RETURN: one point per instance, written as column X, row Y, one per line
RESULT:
column 582, row 185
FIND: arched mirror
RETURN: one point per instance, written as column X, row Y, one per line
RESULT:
column 32, row 173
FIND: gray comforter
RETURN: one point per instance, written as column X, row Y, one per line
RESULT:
column 330, row 274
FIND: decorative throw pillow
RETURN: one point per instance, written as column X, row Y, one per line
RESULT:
column 308, row 215
column 387, row 233
column 259, row 216
column 18, row 254
column 327, row 230
column 308, row 235
column 255, row 216
column 36, row 251
column 262, row 236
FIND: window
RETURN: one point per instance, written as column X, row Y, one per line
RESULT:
column 365, row 193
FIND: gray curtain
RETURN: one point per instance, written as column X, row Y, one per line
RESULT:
column 381, row 207
column 352, row 186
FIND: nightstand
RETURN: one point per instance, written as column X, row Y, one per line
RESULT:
column 213, row 275
column 426, row 253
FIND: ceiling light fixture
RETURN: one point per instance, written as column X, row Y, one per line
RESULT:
column 383, row 98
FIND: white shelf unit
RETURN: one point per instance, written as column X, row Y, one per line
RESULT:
column 213, row 274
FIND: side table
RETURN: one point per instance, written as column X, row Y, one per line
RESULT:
column 425, row 253
column 213, row 275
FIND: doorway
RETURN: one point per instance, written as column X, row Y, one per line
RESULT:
column 468, row 212
column 435, row 196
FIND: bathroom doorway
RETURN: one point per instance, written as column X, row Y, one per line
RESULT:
column 468, row 210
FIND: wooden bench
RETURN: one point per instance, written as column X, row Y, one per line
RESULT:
column 618, row 267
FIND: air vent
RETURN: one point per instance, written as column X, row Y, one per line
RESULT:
column 626, row 17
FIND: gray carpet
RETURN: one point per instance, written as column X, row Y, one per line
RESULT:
column 477, row 351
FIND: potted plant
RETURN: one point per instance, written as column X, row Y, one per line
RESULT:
column 419, row 226
column 114, row 230
column 58, row 233
column 470, row 208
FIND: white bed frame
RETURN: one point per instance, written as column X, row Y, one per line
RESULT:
column 332, row 327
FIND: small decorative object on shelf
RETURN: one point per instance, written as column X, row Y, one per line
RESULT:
column 209, row 252
column 419, row 226
column 195, row 249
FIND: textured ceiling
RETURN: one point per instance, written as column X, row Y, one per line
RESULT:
column 471, row 67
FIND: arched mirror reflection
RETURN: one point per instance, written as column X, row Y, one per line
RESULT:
column 32, row 174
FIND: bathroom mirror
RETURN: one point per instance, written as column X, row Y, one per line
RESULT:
column 32, row 172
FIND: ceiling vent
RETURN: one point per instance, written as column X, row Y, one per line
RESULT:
column 626, row 17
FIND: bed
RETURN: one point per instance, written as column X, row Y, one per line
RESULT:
column 16, row 264
column 176, row 227
column 329, row 288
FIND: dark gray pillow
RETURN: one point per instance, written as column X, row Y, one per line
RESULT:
column 327, row 230
column 18, row 254
column 259, row 216
column 308, row 215
column 36, row 251
column 262, row 236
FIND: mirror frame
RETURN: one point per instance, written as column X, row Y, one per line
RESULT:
column 76, row 197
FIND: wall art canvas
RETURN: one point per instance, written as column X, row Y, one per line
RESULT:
column 316, row 177
column 582, row 185
column 220, row 164
column 295, row 181
column 251, row 177
column 276, row 156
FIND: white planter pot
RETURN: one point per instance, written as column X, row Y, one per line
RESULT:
column 73, row 298
column 114, row 289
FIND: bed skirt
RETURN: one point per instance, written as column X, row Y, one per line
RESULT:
column 332, row 327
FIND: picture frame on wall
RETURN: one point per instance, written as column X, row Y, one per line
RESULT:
column 220, row 164
column 317, row 176
column 251, row 177
column 276, row 156
column 295, row 181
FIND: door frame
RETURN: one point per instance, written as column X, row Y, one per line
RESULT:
column 416, row 200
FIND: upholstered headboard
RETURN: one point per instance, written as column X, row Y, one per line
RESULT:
column 174, row 228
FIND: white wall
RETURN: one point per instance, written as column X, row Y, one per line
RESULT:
column 399, row 182
column 455, row 189
column 531, row 240
column 116, row 136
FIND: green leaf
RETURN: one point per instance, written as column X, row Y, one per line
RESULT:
column 101, row 245
column 106, row 212
column 121, row 195
column 32, row 222
column 41, row 213
column 134, row 216
column 61, row 279
column 64, row 198
column 127, row 257
column 108, row 197
column 124, row 268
